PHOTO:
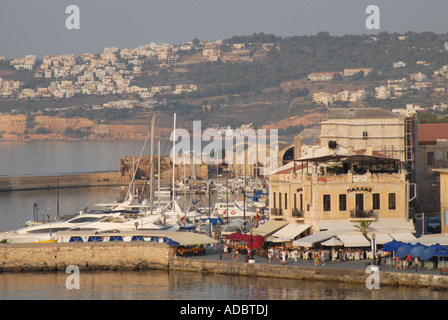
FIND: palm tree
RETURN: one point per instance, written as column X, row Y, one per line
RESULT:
column 363, row 226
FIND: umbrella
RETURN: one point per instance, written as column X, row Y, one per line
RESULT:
column 333, row 242
column 257, row 241
column 428, row 253
column 417, row 250
column 234, row 236
column 392, row 246
column 404, row 250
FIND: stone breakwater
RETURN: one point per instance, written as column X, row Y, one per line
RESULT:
column 62, row 181
column 141, row 255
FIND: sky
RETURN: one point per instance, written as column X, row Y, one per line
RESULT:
column 39, row 26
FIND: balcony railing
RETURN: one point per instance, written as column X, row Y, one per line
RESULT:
column 276, row 212
column 296, row 213
column 362, row 214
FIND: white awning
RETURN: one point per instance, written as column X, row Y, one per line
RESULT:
column 309, row 241
column 333, row 242
column 404, row 237
column 381, row 238
column 291, row 231
column 269, row 227
column 354, row 240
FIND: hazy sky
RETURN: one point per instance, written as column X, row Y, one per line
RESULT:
column 38, row 26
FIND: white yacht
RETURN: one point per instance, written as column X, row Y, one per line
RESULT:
column 235, row 211
column 124, row 222
column 45, row 232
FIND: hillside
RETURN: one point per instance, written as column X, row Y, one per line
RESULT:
column 261, row 79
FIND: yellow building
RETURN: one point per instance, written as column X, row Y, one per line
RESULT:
column 340, row 187
column 443, row 199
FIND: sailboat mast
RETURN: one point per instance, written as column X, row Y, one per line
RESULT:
column 158, row 175
column 174, row 154
column 152, row 162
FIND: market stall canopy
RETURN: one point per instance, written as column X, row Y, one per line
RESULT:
column 354, row 240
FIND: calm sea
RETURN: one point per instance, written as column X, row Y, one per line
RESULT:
column 62, row 157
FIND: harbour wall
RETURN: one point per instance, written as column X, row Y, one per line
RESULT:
column 140, row 255
column 308, row 273
column 61, row 181
column 94, row 256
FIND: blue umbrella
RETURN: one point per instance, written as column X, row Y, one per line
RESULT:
column 417, row 250
column 404, row 250
column 428, row 253
column 392, row 245
column 441, row 251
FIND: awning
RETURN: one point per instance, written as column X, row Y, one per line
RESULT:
column 381, row 238
column 333, row 242
column 309, row 241
column 404, row 237
column 354, row 240
column 291, row 231
column 269, row 227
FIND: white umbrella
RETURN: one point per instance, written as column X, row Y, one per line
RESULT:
column 333, row 242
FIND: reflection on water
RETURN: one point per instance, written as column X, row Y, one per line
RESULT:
column 56, row 157
column 16, row 207
column 164, row 285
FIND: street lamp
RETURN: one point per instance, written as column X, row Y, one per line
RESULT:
column 373, row 248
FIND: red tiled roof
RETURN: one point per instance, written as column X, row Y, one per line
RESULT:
column 428, row 133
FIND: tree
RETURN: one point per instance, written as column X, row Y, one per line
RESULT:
column 363, row 226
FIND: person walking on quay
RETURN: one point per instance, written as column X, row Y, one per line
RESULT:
column 226, row 250
column 322, row 257
column 316, row 258
column 397, row 263
column 235, row 254
column 271, row 255
column 283, row 254
column 409, row 261
column 294, row 255
column 416, row 263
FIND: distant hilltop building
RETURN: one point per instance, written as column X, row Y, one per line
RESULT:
column 323, row 76
column 399, row 64
column 348, row 72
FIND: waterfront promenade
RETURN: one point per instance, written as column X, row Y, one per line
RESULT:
column 358, row 265
column 345, row 271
